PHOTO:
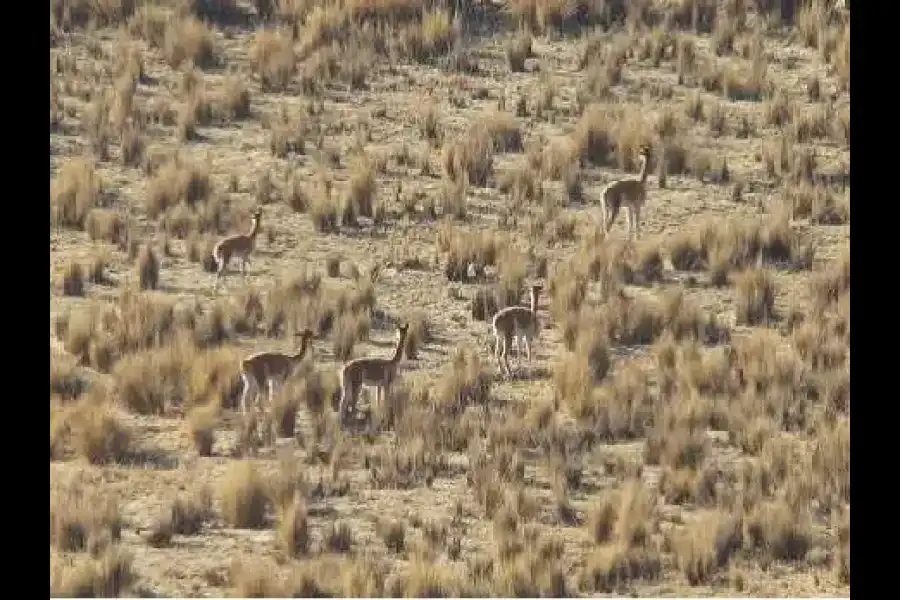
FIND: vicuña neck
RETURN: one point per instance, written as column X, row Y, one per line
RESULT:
column 644, row 162
column 303, row 345
column 254, row 228
column 398, row 351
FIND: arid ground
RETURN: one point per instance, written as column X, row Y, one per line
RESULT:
column 683, row 427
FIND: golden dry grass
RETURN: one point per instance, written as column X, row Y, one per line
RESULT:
column 684, row 424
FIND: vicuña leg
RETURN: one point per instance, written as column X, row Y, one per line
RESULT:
column 221, row 265
column 353, row 406
column 629, row 220
column 498, row 350
column 276, row 385
column 502, row 348
column 249, row 386
column 611, row 216
column 342, row 405
column 345, row 399
column 348, row 400
column 385, row 390
column 271, row 383
column 604, row 210
column 507, row 342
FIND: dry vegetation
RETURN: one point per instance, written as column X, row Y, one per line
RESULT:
column 684, row 427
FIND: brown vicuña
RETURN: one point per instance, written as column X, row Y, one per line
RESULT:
column 629, row 193
column 271, row 368
column 372, row 371
column 516, row 323
column 239, row 245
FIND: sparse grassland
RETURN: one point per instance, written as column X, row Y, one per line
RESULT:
column 684, row 425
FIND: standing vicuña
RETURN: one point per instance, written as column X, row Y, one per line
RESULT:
column 270, row 368
column 519, row 324
column 239, row 245
column 377, row 372
column 630, row 193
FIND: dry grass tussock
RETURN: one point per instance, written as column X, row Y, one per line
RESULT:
column 74, row 193
column 89, row 427
column 624, row 551
column 185, row 515
column 244, row 497
column 82, row 520
column 109, row 576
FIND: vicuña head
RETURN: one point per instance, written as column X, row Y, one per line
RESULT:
column 401, row 339
column 644, row 154
column 255, row 223
column 306, row 334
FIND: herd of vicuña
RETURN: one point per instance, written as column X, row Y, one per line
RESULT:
column 517, row 325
